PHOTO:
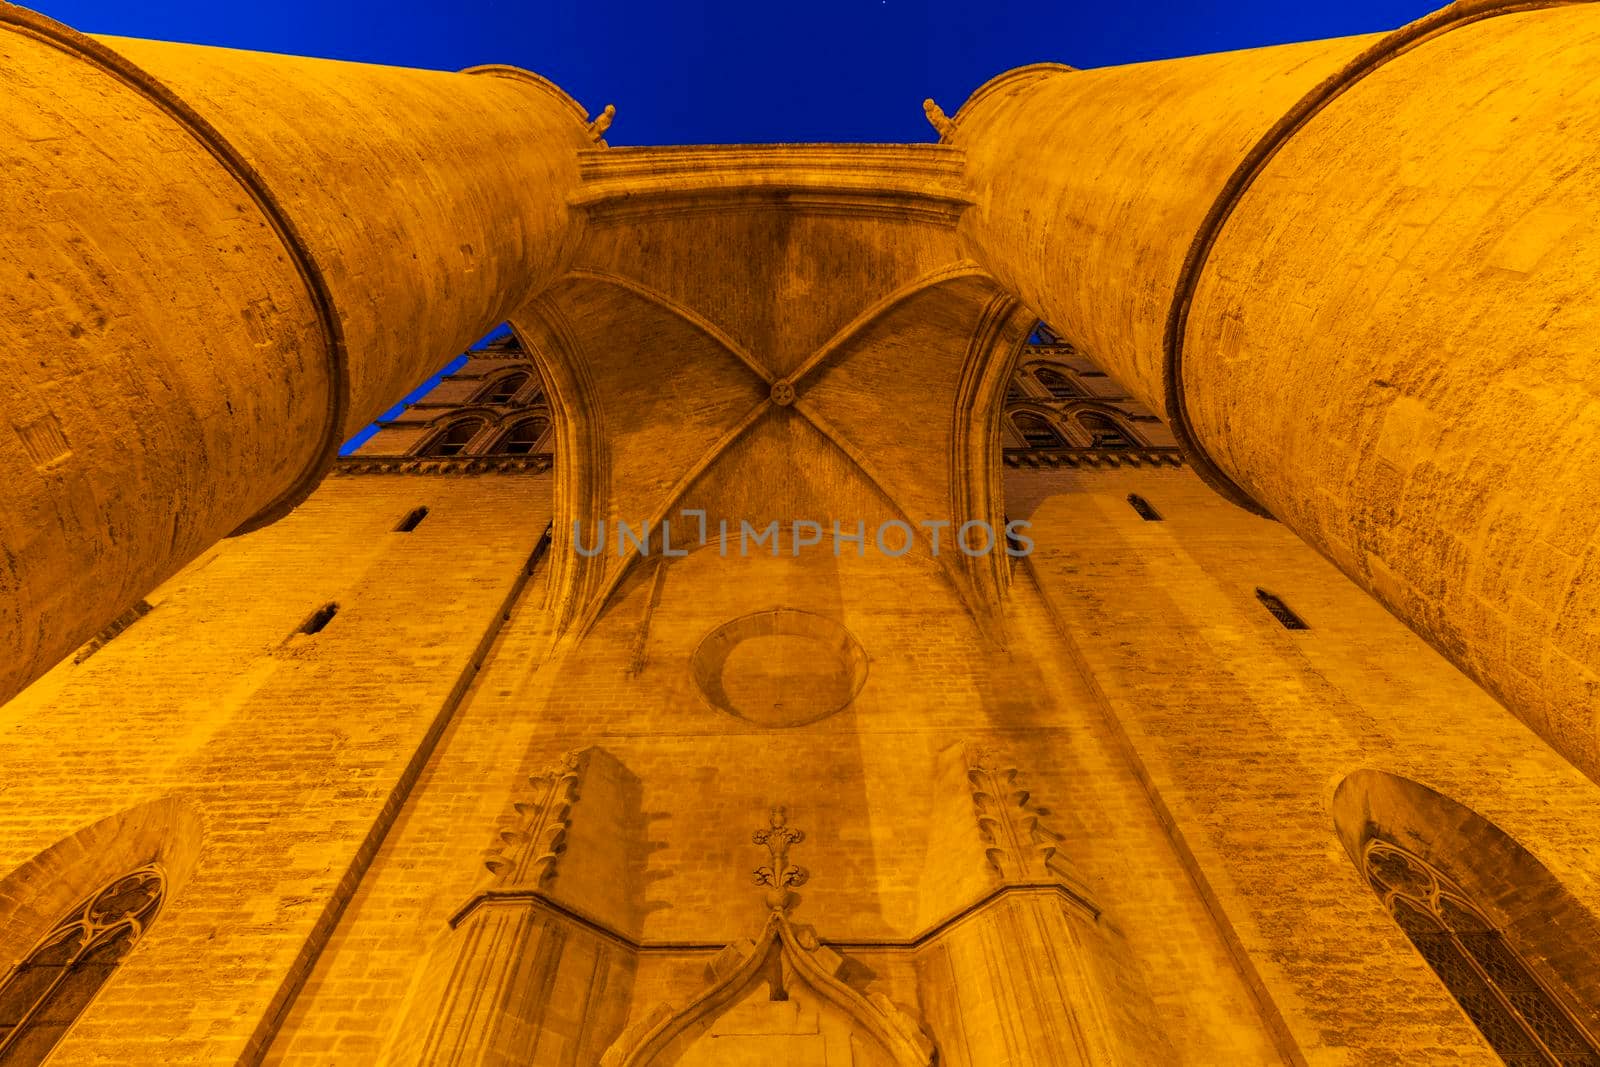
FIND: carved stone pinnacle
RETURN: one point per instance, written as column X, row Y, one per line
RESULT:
column 940, row 122
column 779, row 875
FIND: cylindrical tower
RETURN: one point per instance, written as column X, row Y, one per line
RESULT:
column 1358, row 278
column 214, row 266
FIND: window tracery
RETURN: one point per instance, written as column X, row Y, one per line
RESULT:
column 1058, row 385
column 1104, row 432
column 1037, row 432
column 523, row 437
column 45, row 993
column 1516, row 1013
column 503, row 390
column 454, row 439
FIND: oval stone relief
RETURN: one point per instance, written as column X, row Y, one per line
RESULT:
column 781, row 667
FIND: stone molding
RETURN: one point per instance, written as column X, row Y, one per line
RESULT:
column 926, row 182
column 538, row 463
column 1093, row 458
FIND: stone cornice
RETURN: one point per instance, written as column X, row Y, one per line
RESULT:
column 538, row 463
column 897, row 180
column 1094, row 458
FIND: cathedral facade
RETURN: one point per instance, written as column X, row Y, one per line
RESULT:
column 1117, row 585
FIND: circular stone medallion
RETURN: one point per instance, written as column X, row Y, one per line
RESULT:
column 779, row 668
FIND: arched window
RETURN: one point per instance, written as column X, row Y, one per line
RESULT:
column 1104, row 432
column 1037, row 432
column 502, row 390
column 49, row 989
column 1057, row 384
column 455, row 438
column 1014, row 392
column 522, row 438
column 1523, row 1021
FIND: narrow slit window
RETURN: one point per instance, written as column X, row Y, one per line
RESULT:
column 318, row 619
column 115, row 627
column 1281, row 611
column 413, row 517
column 1142, row 506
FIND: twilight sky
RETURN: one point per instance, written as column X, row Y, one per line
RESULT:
column 728, row 71
column 732, row 71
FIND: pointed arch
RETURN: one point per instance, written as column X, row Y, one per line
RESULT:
column 70, row 916
column 44, row 994
column 783, row 961
column 1509, row 942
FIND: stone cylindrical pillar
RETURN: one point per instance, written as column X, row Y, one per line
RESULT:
column 214, row 266
column 1359, row 279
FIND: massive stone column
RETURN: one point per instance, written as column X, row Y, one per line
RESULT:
column 214, row 266
column 1359, row 278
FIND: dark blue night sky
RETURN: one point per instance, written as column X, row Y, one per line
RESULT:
column 725, row 72
column 720, row 71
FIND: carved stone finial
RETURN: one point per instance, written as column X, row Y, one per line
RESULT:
column 779, row 875
column 941, row 123
column 602, row 123
column 531, row 848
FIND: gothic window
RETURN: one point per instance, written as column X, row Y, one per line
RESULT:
column 1037, row 432
column 1281, row 611
column 501, row 391
column 1142, row 506
column 1043, row 335
column 522, row 438
column 1014, row 392
column 49, row 989
column 455, row 438
column 1104, row 432
column 1495, row 986
column 1057, row 384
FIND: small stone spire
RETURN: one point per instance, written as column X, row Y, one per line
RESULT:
column 602, row 123
column 942, row 124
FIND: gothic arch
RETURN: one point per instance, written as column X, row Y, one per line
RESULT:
column 156, row 844
column 784, row 962
column 1433, row 861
